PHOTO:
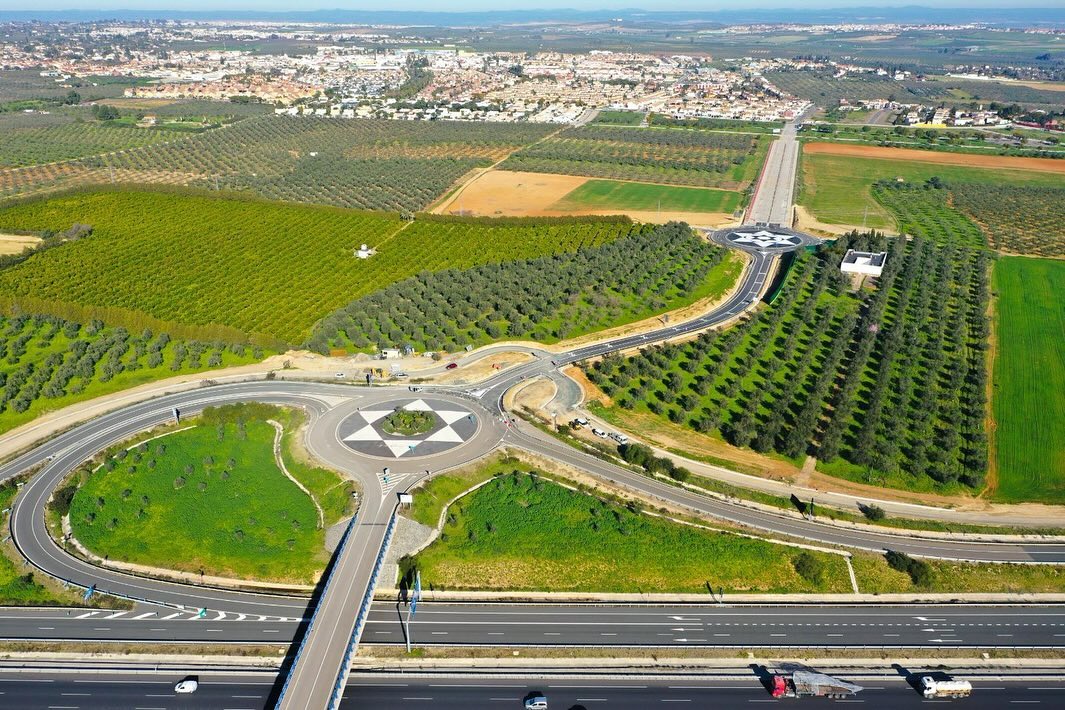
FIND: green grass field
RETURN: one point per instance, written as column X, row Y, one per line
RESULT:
column 523, row 532
column 210, row 498
column 258, row 267
column 1029, row 379
column 838, row 189
column 431, row 497
column 611, row 194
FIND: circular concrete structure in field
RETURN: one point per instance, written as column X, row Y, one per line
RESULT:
column 365, row 432
column 762, row 238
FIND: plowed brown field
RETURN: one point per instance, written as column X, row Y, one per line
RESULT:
column 970, row 160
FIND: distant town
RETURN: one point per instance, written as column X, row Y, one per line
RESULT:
column 399, row 75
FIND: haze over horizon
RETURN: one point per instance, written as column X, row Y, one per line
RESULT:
column 490, row 5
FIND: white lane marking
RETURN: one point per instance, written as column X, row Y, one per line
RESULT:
column 115, row 615
column 85, row 615
column 176, row 613
column 145, row 615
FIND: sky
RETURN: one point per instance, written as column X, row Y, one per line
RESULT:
column 481, row 5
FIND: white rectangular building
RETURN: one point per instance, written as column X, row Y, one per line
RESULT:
column 863, row 262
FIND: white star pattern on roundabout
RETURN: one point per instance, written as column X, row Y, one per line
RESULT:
column 764, row 238
column 370, row 433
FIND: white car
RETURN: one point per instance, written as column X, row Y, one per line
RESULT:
column 600, row 433
column 537, row 702
column 187, row 686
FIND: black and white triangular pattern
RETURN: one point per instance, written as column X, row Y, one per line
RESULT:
column 362, row 431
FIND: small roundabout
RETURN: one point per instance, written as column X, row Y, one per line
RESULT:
column 764, row 239
column 408, row 428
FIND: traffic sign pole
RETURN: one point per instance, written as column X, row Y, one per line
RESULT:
column 413, row 608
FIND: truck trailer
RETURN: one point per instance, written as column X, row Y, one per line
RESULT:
column 807, row 684
column 931, row 688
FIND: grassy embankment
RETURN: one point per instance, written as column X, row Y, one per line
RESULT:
column 19, row 585
column 522, row 532
column 212, row 498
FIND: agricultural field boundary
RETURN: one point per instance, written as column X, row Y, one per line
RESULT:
column 1001, row 162
column 440, row 204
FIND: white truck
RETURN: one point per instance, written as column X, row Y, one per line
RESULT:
column 932, row 688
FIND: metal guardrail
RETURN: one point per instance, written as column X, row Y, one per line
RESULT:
column 299, row 651
column 360, row 621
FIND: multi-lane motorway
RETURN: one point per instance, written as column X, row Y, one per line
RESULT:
column 615, row 625
column 733, row 688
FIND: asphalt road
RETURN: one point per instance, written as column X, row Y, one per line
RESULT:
column 705, row 626
column 739, row 688
column 506, row 624
column 773, row 198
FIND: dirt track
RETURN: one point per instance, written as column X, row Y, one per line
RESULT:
column 15, row 243
column 970, row 160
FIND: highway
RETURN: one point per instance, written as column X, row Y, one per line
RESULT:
column 601, row 624
column 725, row 688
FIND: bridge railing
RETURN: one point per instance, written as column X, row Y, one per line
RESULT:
column 360, row 620
column 314, row 615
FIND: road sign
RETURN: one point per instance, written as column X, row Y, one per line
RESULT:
column 203, row 613
column 89, row 592
column 417, row 593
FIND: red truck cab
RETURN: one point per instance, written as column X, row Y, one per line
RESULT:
column 780, row 686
